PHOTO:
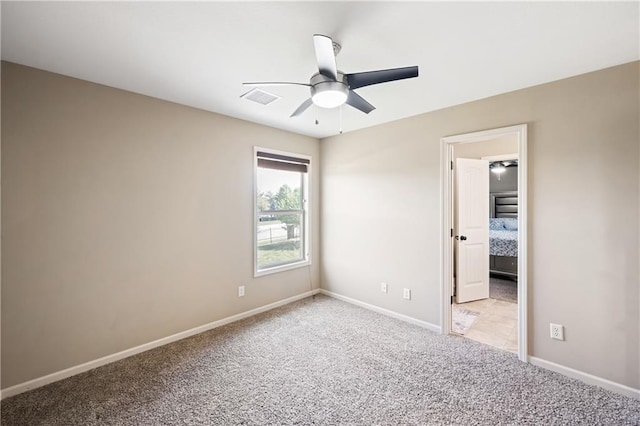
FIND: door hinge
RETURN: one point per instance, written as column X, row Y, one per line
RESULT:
column 451, row 232
column 452, row 165
column 452, row 300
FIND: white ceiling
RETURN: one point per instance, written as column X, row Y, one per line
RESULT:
column 199, row 53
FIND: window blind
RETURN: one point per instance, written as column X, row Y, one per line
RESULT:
column 268, row 160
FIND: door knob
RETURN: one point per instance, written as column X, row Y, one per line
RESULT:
column 461, row 237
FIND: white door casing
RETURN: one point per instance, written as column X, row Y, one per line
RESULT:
column 472, row 229
column 446, row 221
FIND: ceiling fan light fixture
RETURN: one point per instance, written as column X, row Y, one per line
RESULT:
column 498, row 169
column 329, row 98
column 329, row 94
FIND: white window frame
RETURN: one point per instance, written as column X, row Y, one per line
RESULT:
column 306, row 215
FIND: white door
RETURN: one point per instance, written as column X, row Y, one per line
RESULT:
column 472, row 230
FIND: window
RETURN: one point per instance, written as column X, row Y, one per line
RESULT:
column 281, row 213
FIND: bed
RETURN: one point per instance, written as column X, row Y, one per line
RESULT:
column 503, row 234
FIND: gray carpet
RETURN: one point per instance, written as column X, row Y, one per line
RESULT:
column 321, row 362
column 503, row 289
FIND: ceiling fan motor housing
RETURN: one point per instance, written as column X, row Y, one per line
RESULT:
column 327, row 93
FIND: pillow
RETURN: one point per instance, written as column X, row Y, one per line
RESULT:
column 510, row 223
column 496, row 223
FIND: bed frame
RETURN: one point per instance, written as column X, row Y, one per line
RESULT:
column 504, row 204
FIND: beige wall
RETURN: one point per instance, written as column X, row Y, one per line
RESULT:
column 125, row 219
column 498, row 146
column 381, row 214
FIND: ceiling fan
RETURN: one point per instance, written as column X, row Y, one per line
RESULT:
column 331, row 88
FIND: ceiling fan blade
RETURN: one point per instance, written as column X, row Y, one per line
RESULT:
column 302, row 108
column 325, row 56
column 361, row 79
column 275, row 83
column 359, row 103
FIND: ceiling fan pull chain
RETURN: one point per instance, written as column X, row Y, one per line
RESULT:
column 340, row 119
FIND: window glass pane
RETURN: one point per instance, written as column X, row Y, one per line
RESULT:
column 279, row 239
column 279, row 190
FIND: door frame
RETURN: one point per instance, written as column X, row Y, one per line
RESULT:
column 446, row 222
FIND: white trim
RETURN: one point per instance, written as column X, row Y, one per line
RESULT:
column 446, row 223
column 287, row 267
column 446, row 247
column 72, row 371
column 523, row 259
column 383, row 311
column 586, row 377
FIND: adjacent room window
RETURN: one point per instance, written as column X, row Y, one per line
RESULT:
column 281, row 220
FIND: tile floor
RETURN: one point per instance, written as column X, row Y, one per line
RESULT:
column 497, row 324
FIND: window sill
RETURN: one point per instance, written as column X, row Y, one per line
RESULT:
column 282, row 268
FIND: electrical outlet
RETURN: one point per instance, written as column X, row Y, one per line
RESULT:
column 383, row 287
column 241, row 291
column 557, row 331
column 406, row 294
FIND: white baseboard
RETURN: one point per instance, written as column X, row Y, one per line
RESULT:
column 586, row 377
column 72, row 371
column 383, row 311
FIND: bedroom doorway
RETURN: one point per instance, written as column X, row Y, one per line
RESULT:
column 488, row 290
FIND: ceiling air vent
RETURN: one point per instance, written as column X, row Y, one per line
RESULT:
column 260, row 96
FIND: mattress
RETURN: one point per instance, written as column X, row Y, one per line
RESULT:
column 503, row 243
